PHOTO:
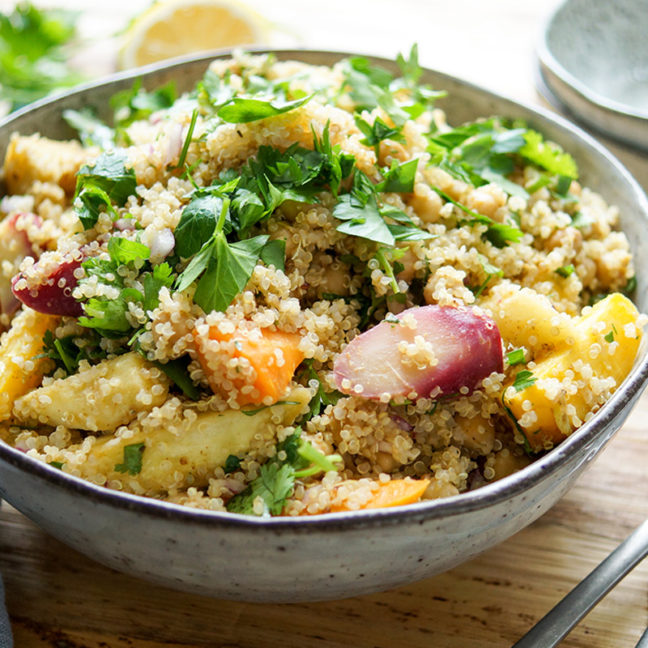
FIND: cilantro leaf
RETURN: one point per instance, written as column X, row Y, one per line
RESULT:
column 232, row 464
column 101, row 184
column 177, row 371
column 274, row 485
column 228, row 271
column 515, row 357
column 565, row 271
column 274, row 253
column 377, row 132
column 239, row 110
column 548, row 156
column 197, row 224
column 132, row 462
column 399, row 178
column 124, row 251
column 523, row 379
column 276, row 479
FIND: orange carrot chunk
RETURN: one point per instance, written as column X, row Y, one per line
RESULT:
column 396, row 492
column 274, row 355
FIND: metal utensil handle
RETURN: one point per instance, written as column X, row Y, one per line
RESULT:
column 553, row 627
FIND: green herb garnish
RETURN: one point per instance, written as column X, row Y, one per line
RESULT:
column 523, row 379
column 132, row 462
column 276, row 479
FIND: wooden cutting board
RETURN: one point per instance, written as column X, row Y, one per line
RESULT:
column 57, row 597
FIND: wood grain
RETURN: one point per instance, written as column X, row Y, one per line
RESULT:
column 58, row 598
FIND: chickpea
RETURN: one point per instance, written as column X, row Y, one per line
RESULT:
column 486, row 200
column 426, row 203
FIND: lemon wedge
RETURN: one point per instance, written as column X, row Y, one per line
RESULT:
column 175, row 27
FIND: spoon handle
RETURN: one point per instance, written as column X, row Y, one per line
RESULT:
column 553, row 627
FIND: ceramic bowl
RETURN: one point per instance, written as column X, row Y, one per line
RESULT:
column 333, row 555
column 593, row 59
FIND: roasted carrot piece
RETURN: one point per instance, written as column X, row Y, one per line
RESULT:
column 396, row 492
column 274, row 355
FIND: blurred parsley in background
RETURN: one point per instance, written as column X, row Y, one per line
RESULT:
column 35, row 45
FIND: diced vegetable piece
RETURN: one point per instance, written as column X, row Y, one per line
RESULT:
column 100, row 398
column 605, row 343
column 20, row 368
column 14, row 247
column 427, row 350
column 274, row 356
column 526, row 318
column 187, row 453
column 35, row 158
column 396, row 492
column 53, row 294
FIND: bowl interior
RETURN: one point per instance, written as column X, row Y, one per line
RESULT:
column 603, row 46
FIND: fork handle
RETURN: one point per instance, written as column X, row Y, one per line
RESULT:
column 553, row 627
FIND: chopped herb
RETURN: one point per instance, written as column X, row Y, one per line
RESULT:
column 110, row 316
column 322, row 398
column 399, row 178
column 100, row 186
column 565, row 271
column 232, row 464
column 132, row 462
column 239, row 110
column 499, row 234
column 523, row 379
column 548, row 156
column 57, row 464
column 609, row 337
column 515, row 357
column 490, row 270
column 187, row 142
column 177, row 371
column 630, row 286
column 377, row 132
column 276, row 480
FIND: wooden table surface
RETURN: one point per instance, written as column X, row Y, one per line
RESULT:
column 59, row 598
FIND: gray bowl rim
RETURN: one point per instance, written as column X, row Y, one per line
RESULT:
column 592, row 434
column 597, row 100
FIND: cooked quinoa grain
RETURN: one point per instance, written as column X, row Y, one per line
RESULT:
column 299, row 290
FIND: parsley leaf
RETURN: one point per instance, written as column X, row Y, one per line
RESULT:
column 240, row 110
column 232, row 464
column 276, row 479
column 399, row 178
column 106, row 182
column 515, row 357
column 523, row 379
column 177, row 371
column 197, row 224
column 565, row 271
column 228, row 272
column 548, row 156
column 132, row 462
column 377, row 132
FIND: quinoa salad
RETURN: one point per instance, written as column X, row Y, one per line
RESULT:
column 299, row 290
